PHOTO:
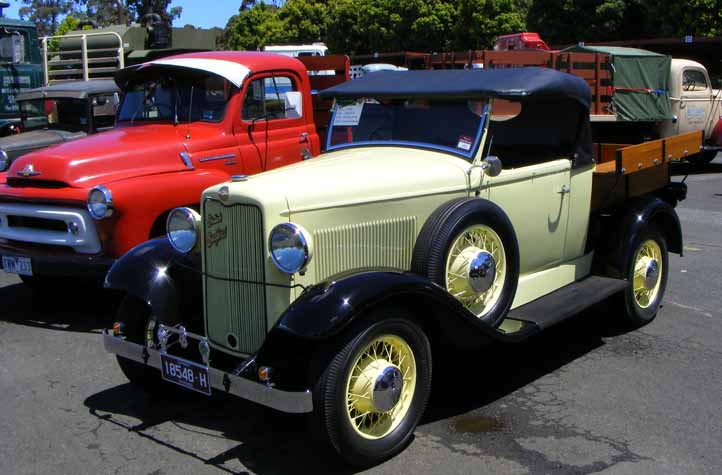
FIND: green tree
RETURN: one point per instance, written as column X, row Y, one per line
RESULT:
column 46, row 14
column 137, row 9
column 251, row 28
column 571, row 21
column 481, row 21
column 105, row 12
column 303, row 21
column 367, row 26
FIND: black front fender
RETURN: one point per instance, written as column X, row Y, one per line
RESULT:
column 317, row 319
column 326, row 309
column 168, row 281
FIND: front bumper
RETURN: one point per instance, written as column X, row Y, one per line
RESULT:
column 52, row 226
column 285, row 401
column 61, row 265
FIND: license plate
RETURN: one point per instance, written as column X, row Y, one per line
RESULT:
column 17, row 265
column 185, row 373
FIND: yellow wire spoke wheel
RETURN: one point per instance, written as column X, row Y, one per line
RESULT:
column 647, row 277
column 149, row 335
column 476, row 268
column 380, row 386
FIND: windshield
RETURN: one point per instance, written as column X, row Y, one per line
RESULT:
column 452, row 126
column 171, row 97
column 60, row 114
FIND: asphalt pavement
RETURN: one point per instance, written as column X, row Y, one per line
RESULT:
column 583, row 397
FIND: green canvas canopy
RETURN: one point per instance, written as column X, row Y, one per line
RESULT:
column 640, row 81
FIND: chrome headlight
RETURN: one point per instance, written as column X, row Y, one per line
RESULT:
column 4, row 160
column 182, row 229
column 100, row 202
column 290, row 248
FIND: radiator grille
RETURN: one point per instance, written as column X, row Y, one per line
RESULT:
column 375, row 244
column 233, row 250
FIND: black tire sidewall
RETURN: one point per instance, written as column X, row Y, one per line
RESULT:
column 134, row 315
column 637, row 315
column 443, row 232
column 350, row 445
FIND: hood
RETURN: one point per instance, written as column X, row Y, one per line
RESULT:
column 20, row 144
column 355, row 176
column 106, row 157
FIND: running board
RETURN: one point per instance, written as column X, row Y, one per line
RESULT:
column 566, row 302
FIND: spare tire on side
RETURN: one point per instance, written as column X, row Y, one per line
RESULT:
column 468, row 246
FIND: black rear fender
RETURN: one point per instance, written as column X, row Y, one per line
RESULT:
column 166, row 280
column 616, row 244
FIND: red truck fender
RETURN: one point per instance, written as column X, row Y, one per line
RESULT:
column 141, row 201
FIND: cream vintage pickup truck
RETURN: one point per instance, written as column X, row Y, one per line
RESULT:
column 450, row 207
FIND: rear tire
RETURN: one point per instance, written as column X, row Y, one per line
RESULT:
column 646, row 269
column 374, row 389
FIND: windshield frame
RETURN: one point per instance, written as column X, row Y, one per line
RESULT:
column 466, row 155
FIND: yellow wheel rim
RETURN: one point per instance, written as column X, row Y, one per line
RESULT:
column 647, row 277
column 472, row 241
column 150, row 332
column 385, row 354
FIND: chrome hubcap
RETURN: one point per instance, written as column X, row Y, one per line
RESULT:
column 651, row 274
column 387, row 389
column 482, row 272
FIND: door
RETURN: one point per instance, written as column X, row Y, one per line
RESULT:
column 536, row 199
column 695, row 100
column 272, row 133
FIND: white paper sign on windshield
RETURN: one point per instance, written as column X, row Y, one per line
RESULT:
column 348, row 116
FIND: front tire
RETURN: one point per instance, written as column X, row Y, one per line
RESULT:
column 374, row 390
column 140, row 328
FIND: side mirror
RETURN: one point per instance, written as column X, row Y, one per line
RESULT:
column 294, row 104
column 491, row 166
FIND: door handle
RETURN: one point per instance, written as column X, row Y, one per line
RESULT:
column 304, row 138
column 564, row 189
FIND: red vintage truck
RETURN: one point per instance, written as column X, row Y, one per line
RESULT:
column 185, row 123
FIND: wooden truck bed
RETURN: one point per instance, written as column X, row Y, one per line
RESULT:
column 625, row 171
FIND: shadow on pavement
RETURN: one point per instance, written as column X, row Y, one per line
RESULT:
column 272, row 442
column 468, row 380
column 86, row 310
column 268, row 442
column 686, row 168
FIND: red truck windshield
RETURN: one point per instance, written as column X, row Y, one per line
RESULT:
column 176, row 99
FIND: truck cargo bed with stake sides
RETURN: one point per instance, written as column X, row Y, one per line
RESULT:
column 628, row 171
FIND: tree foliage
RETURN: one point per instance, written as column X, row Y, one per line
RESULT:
column 48, row 13
column 570, row 21
column 365, row 26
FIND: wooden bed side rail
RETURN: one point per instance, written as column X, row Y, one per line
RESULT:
column 634, row 158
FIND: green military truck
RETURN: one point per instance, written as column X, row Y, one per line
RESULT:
column 21, row 67
column 99, row 52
